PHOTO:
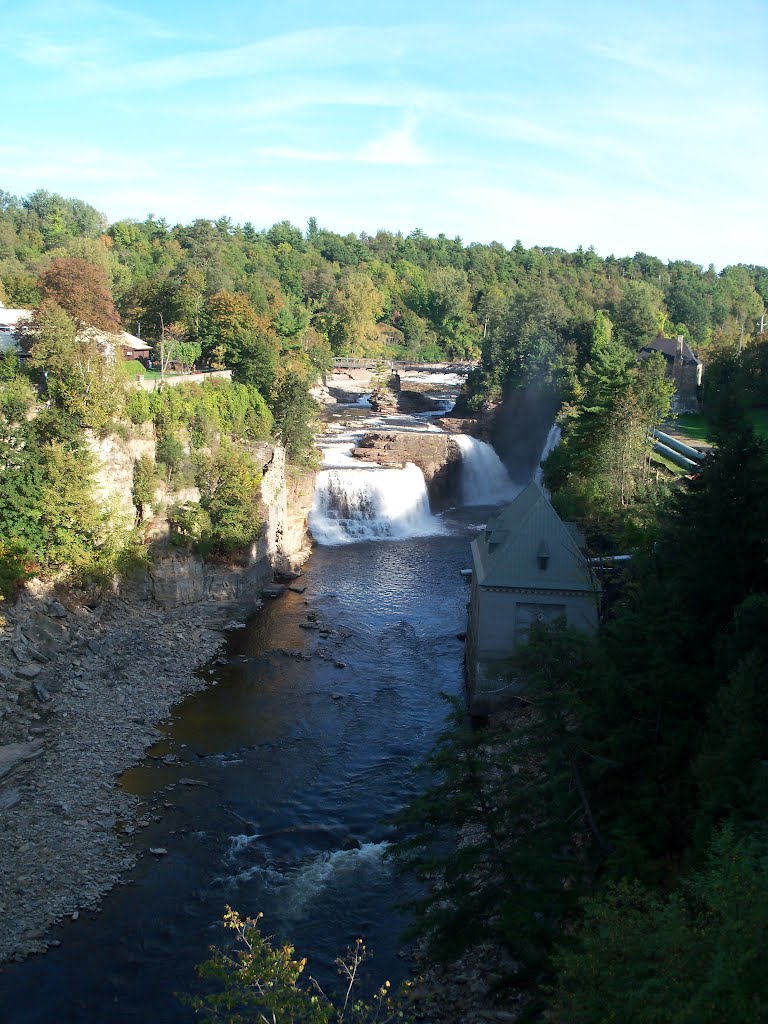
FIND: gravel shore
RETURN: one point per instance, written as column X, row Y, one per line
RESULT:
column 80, row 691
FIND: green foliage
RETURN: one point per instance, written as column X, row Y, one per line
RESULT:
column 169, row 451
column 229, row 483
column 138, row 407
column 294, row 412
column 143, row 488
column 259, row 981
column 517, row 796
column 699, row 954
column 189, row 523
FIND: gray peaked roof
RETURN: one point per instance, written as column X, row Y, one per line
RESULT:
column 507, row 553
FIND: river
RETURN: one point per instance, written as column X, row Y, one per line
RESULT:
column 302, row 750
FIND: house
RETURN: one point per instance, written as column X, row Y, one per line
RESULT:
column 683, row 367
column 130, row 346
column 526, row 568
column 9, row 340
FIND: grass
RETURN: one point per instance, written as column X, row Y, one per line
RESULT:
column 695, row 427
column 655, row 457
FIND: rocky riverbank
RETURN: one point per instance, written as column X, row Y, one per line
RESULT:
column 81, row 688
column 82, row 685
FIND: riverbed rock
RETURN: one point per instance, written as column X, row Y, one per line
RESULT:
column 13, row 755
column 437, row 456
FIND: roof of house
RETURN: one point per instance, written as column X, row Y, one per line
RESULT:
column 507, row 553
column 131, row 341
column 9, row 318
column 668, row 348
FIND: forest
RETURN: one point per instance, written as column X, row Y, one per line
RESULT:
column 612, row 825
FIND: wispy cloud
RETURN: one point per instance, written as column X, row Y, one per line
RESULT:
column 397, row 147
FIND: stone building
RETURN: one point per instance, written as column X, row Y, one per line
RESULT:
column 526, row 568
column 683, row 367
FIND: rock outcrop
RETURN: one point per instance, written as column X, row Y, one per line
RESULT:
column 437, row 456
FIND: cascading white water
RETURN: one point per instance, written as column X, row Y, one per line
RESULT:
column 484, row 480
column 354, row 501
column 552, row 441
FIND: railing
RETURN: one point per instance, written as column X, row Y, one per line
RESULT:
column 352, row 363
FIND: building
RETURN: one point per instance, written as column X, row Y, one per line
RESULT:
column 683, row 367
column 131, row 347
column 9, row 340
column 526, row 568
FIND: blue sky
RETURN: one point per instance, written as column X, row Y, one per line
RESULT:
column 627, row 127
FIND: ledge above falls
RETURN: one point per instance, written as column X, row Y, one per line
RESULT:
column 437, row 456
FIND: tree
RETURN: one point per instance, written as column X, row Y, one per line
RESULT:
column 357, row 305
column 238, row 336
column 258, row 981
column 229, row 483
column 49, row 336
column 82, row 291
column 698, row 954
column 294, row 410
column 143, row 487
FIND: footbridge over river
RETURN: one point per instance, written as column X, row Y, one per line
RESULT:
column 402, row 365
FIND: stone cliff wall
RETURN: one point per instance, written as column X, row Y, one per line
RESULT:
column 179, row 577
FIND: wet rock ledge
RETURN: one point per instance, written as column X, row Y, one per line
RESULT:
column 437, row 456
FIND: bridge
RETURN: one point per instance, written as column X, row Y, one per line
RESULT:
column 400, row 365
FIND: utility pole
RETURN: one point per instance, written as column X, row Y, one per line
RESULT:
column 162, row 349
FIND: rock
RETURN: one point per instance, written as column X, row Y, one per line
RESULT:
column 192, row 782
column 309, row 625
column 9, row 798
column 231, row 626
column 288, row 575
column 40, row 692
column 57, row 610
column 339, row 664
column 14, row 754
column 158, row 851
column 29, row 671
column 297, row 589
column 6, row 676
column 274, row 590
column 94, row 646
column 336, row 696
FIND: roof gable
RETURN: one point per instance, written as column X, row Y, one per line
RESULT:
column 510, row 551
column 668, row 348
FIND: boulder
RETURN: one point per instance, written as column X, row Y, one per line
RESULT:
column 12, row 755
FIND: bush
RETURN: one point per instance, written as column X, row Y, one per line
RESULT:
column 258, row 981
column 229, row 485
column 138, row 407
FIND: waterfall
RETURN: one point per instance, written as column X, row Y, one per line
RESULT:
column 553, row 438
column 371, row 504
column 484, row 480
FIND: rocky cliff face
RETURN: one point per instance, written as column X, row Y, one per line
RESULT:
column 436, row 455
column 179, row 577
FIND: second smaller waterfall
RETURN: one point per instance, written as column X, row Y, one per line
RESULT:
column 353, row 504
column 484, row 480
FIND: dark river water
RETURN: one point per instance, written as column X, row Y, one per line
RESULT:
column 305, row 765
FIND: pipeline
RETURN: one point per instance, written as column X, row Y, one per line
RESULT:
column 678, row 446
column 676, row 457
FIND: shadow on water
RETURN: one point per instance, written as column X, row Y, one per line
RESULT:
column 273, row 789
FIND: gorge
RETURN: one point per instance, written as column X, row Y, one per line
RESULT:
column 273, row 789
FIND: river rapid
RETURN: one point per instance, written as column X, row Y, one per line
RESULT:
column 274, row 790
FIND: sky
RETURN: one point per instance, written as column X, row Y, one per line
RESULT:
column 629, row 127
